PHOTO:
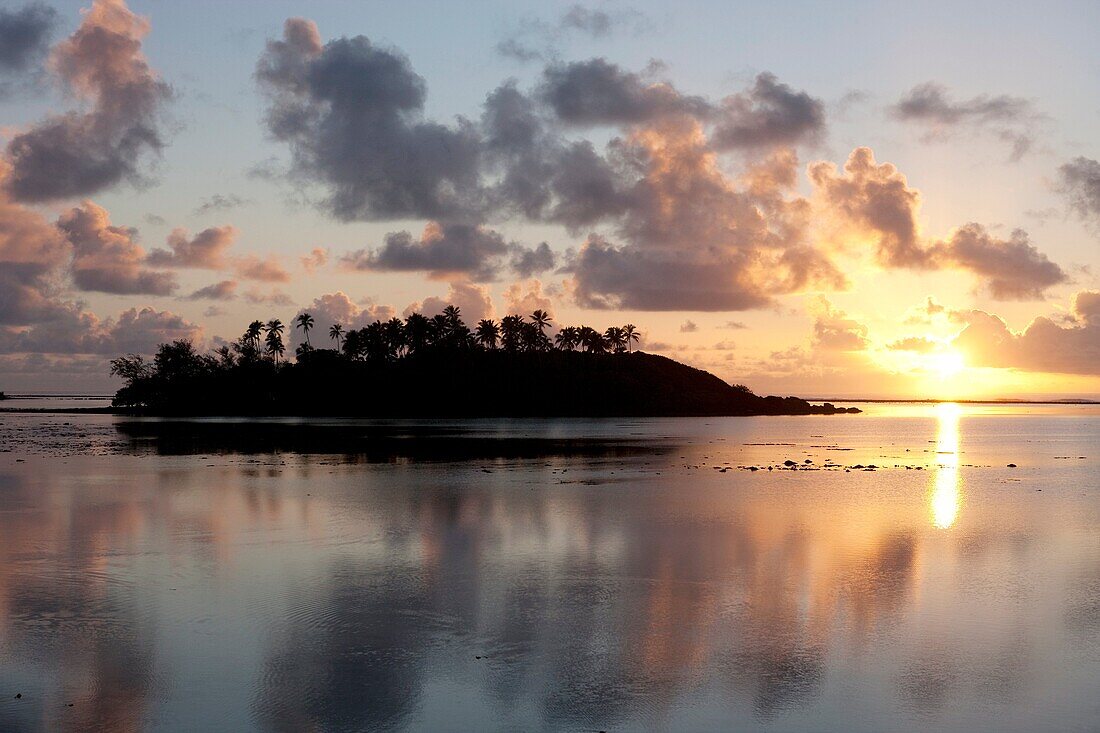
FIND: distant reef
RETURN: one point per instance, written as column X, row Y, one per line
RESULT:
column 440, row 383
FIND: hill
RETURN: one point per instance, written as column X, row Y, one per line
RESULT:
column 447, row 383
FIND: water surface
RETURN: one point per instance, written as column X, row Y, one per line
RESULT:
column 553, row 575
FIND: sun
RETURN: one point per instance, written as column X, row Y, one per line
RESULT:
column 946, row 364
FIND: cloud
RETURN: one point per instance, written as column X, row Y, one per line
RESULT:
column 471, row 299
column 315, row 260
column 24, row 40
column 107, row 258
column 868, row 197
column 218, row 203
column 931, row 106
column 1012, row 269
column 769, row 114
column 31, row 251
column 1079, row 182
column 835, row 331
column 688, row 327
column 224, row 290
column 916, row 344
column 595, row 23
column 77, row 331
column 733, row 325
column 276, row 298
column 1044, row 346
column 443, row 250
column 79, row 153
column 538, row 39
column 351, row 112
column 924, row 314
column 528, row 262
column 696, row 239
column 337, row 307
column 598, row 92
column 873, row 201
column 264, row 269
column 526, row 297
column 206, row 250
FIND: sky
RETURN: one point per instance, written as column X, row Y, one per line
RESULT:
column 854, row 199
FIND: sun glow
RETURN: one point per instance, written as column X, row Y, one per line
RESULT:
column 946, row 364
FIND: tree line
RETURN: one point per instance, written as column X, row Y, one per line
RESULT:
column 263, row 343
column 396, row 338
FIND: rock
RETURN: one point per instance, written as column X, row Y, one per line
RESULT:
column 1012, row 465
column 788, row 463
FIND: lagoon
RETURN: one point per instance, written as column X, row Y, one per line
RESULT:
column 616, row 574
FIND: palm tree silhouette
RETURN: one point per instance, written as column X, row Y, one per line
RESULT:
column 274, row 339
column 252, row 334
column 488, row 333
column 453, row 314
column 567, row 338
column 304, row 321
column 615, row 337
column 630, row 331
column 335, row 333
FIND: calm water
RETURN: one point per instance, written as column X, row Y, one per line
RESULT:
column 610, row 574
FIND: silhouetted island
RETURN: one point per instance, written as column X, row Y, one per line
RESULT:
column 436, row 367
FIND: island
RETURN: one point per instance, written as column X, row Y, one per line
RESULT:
column 423, row 367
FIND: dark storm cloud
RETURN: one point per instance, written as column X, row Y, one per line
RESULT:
column 82, row 152
column 931, row 106
column 24, row 37
column 351, row 112
column 768, row 114
column 1079, row 182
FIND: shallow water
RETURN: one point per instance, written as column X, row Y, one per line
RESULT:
column 554, row 575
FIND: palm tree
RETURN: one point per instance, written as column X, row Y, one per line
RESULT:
column 417, row 331
column 567, row 338
column 335, row 333
column 541, row 319
column 511, row 332
column 630, row 331
column 592, row 340
column 396, row 339
column 615, row 337
column 274, row 339
column 304, row 321
column 252, row 335
column 488, row 333
column 453, row 314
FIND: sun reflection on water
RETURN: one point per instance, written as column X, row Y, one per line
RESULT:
column 945, row 492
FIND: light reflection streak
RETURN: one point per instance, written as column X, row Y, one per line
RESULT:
column 945, row 492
